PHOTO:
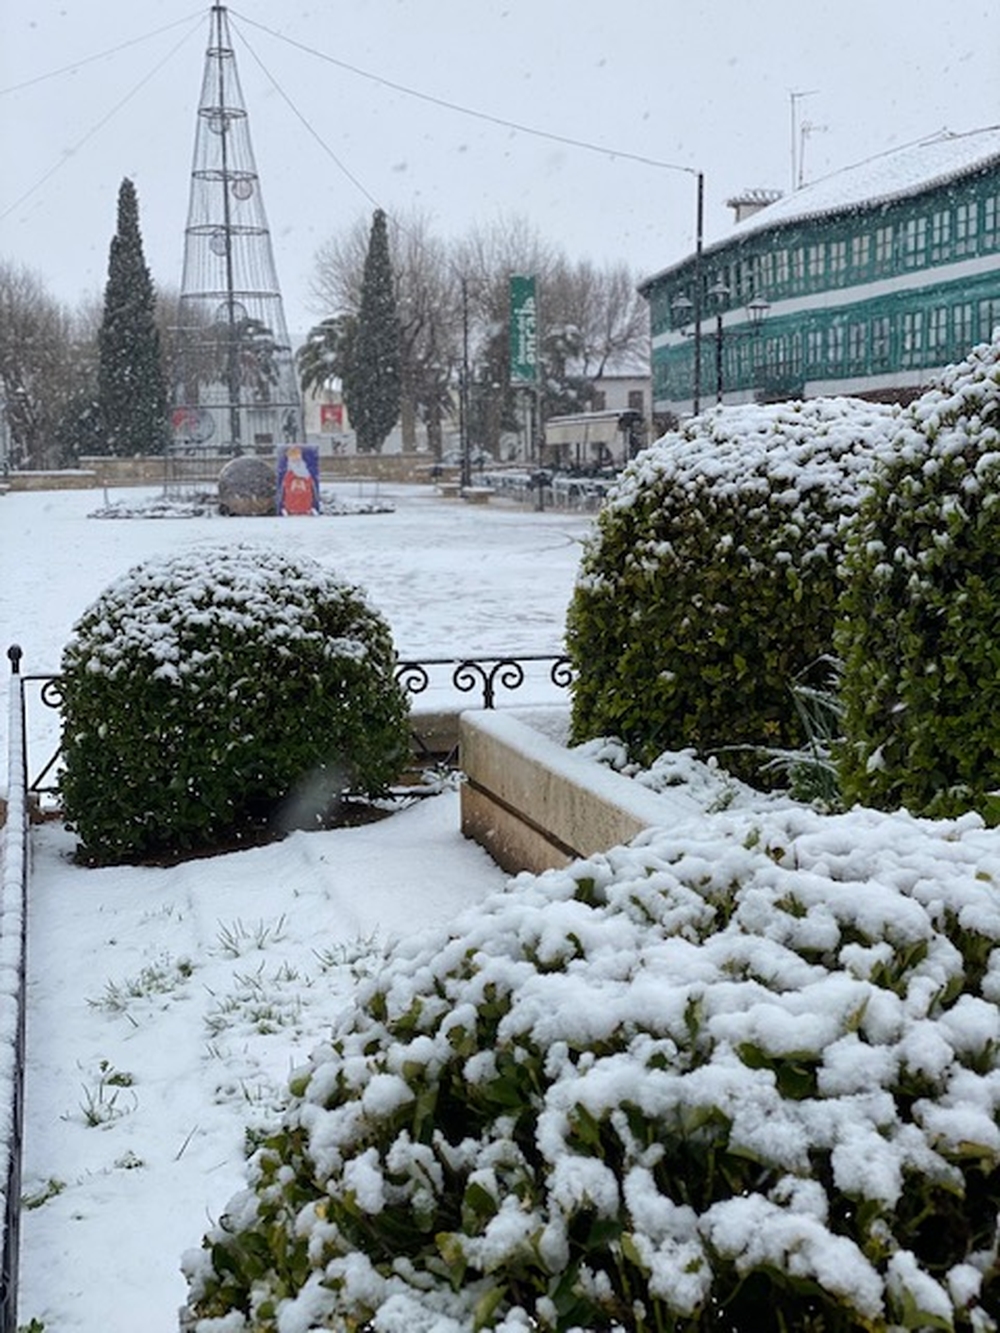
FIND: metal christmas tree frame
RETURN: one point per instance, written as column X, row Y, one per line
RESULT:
column 235, row 390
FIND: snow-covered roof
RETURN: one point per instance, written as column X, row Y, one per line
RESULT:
column 895, row 174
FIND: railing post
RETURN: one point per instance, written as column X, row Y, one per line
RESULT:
column 13, row 979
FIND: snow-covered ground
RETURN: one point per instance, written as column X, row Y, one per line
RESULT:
column 167, row 1006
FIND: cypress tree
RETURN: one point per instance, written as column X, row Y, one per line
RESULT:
column 372, row 385
column 131, row 385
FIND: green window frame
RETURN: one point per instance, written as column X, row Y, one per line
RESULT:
column 857, row 343
column 881, row 341
column 912, row 348
column 991, row 231
column 937, row 330
column 965, row 227
column 914, row 242
column 962, row 327
column 940, row 234
column 883, row 246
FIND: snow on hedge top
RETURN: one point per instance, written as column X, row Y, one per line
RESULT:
column 172, row 610
column 781, row 450
column 963, row 409
column 816, row 988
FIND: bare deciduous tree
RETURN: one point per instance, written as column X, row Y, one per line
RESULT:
column 36, row 366
column 454, row 302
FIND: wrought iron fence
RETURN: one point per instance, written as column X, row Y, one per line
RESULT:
column 13, row 981
column 488, row 680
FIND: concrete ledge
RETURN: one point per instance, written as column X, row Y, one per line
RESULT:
column 477, row 495
column 534, row 805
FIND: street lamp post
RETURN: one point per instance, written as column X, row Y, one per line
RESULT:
column 719, row 293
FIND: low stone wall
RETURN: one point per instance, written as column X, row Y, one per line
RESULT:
column 96, row 470
column 534, row 805
column 75, row 479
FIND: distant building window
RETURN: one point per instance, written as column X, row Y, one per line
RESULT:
column 962, row 325
column 856, row 340
column 990, row 219
column 798, row 265
column 881, row 330
column 781, row 269
column 600, row 402
column 913, row 337
column 814, row 347
column 965, row 228
column 815, row 261
column 861, row 251
column 883, row 245
column 989, row 319
column 941, row 233
column 937, row 329
column 838, row 257
column 914, row 242
column 835, row 345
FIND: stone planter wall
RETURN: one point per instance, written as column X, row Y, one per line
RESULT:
column 534, row 805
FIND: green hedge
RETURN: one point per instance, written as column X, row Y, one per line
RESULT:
column 212, row 691
column 920, row 626
column 711, row 583
column 734, row 1079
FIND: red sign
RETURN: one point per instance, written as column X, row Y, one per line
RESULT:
column 331, row 417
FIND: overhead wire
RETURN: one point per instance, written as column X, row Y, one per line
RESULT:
column 341, row 166
column 98, row 55
column 94, row 129
column 447, row 105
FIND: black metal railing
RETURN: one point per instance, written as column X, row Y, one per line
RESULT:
column 488, row 680
column 13, row 981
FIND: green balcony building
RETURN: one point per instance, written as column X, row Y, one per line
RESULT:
column 867, row 282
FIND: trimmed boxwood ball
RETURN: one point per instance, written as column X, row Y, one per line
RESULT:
column 734, row 1079
column 920, row 626
column 214, row 690
column 710, row 583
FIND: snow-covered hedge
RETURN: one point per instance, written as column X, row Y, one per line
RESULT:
column 920, row 635
column 711, row 582
column 221, row 687
column 741, row 1077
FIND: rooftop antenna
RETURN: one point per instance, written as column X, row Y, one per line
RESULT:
column 235, row 385
column 794, row 99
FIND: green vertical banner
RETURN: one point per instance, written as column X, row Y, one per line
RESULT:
column 523, row 331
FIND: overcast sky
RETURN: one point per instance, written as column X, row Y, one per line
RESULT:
column 704, row 85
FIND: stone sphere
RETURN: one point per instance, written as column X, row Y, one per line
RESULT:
column 247, row 487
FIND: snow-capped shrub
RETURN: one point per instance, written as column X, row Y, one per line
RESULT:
column 219, row 687
column 710, row 584
column 741, row 1077
column 920, row 632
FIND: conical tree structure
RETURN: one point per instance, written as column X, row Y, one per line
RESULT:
column 235, row 389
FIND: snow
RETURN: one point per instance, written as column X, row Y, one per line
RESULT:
column 170, row 1007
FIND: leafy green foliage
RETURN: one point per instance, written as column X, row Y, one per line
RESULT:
column 372, row 386
column 735, row 1079
column 920, row 623
column 219, row 689
column 711, row 582
column 132, row 392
